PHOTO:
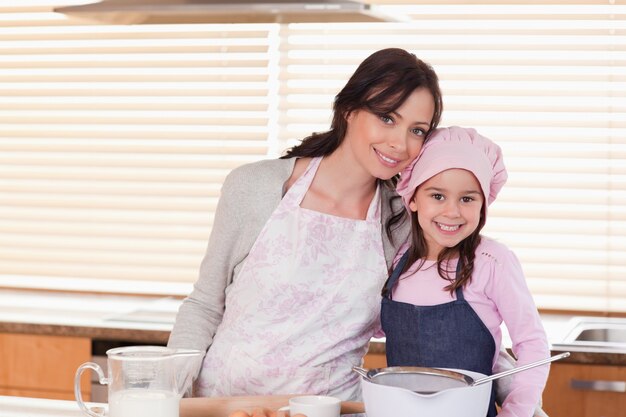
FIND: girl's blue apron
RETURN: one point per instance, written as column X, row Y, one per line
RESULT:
column 449, row 335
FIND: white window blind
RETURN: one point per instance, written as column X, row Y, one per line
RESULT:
column 114, row 139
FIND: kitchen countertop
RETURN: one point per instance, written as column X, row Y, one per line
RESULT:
column 37, row 407
column 189, row 407
column 104, row 317
column 150, row 320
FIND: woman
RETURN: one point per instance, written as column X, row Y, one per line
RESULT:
column 317, row 232
column 288, row 293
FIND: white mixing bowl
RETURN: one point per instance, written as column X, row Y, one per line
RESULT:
column 386, row 401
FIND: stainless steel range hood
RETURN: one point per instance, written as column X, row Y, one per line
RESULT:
column 225, row 11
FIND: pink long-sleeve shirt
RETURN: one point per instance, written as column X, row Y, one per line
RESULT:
column 497, row 293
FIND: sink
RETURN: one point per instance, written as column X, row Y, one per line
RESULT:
column 607, row 334
column 145, row 316
column 160, row 311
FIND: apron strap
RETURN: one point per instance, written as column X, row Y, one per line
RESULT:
column 395, row 275
column 397, row 270
column 459, row 290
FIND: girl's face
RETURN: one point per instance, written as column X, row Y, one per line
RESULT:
column 382, row 145
column 448, row 208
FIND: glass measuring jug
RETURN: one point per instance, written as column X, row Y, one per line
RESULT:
column 143, row 380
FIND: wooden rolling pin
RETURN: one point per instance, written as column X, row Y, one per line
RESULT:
column 224, row 406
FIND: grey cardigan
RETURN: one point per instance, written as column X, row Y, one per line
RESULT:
column 249, row 196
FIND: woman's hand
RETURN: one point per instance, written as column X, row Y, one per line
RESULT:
column 263, row 412
column 258, row 412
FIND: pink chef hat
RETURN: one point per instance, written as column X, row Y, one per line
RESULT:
column 456, row 147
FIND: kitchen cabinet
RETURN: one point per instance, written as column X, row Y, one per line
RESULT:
column 583, row 390
column 42, row 366
column 374, row 360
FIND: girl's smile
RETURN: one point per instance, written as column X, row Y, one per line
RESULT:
column 448, row 228
column 448, row 208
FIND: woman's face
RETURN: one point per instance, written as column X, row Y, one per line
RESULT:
column 384, row 144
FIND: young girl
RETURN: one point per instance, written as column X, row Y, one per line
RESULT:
column 452, row 288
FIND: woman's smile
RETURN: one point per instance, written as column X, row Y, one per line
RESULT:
column 386, row 160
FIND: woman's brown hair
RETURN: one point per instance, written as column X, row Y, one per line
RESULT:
column 380, row 84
